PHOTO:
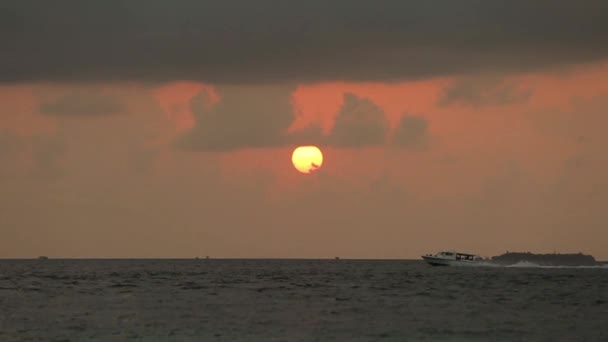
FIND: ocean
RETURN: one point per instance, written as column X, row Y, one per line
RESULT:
column 297, row 300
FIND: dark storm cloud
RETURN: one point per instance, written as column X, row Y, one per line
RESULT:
column 359, row 123
column 83, row 104
column 483, row 91
column 412, row 132
column 270, row 41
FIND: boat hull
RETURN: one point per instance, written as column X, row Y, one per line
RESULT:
column 435, row 261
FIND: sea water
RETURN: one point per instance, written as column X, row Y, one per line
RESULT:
column 298, row 300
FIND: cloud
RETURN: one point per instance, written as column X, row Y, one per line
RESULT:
column 412, row 131
column 244, row 117
column 83, row 104
column 483, row 91
column 248, row 117
column 305, row 41
column 359, row 123
column 310, row 135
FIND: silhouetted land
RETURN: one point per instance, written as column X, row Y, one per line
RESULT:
column 555, row 259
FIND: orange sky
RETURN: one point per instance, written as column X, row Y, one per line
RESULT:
column 512, row 162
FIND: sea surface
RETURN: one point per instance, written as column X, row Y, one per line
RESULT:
column 298, row 300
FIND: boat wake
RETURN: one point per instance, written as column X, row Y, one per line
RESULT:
column 508, row 260
column 527, row 264
column 484, row 264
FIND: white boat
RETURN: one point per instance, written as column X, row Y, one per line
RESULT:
column 452, row 259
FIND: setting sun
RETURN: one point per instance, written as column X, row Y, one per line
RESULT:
column 307, row 159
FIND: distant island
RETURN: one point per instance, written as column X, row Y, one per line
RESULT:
column 555, row 259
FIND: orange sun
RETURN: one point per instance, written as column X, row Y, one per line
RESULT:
column 307, row 159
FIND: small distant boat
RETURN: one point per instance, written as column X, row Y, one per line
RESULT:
column 452, row 259
column 43, row 257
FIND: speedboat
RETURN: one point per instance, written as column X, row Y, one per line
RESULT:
column 452, row 259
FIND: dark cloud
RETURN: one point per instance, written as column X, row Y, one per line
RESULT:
column 260, row 116
column 310, row 135
column 359, row 123
column 412, row 132
column 83, row 104
column 267, row 41
column 483, row 91
column 245, row 117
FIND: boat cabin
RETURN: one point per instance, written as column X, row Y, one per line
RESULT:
column 452, row 258
column 458, row 256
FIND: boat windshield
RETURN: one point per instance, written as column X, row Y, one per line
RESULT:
column 461, row 256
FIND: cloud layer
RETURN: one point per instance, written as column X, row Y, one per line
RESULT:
column 412, row 132
column 83, row 104
column 265, row 41
column 245, row 117
column 258, row 117
column 359, row 123
column 528, row 175
column 482, row 91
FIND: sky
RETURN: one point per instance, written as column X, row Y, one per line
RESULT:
column 165, row 129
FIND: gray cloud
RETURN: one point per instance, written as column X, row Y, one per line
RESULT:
column 245, row 117
column 256, row 117
column 359, row 123
column 310, row 135
column 264, row 41
column 412, row 131
column 83, row 104
column 483, row 91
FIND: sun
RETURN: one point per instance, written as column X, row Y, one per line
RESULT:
column 307, row 159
